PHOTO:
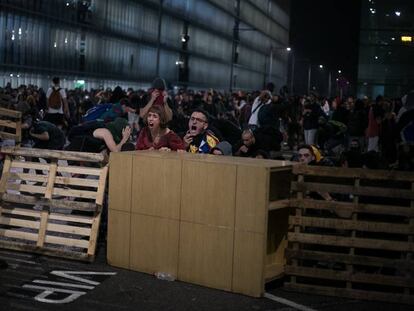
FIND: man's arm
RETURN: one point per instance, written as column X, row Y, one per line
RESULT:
column 42, row 136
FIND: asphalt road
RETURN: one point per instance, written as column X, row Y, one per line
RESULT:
column 28, row 275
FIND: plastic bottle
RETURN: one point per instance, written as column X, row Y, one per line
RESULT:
column 164, row 276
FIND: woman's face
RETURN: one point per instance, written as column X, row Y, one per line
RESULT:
column 153, row 120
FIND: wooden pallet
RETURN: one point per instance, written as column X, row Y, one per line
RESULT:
column 51, row 208
column 358, row 246
column 11, row 125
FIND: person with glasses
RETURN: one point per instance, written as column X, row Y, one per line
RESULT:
column 199, row 138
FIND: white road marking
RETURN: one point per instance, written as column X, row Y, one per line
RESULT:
column 288, row 302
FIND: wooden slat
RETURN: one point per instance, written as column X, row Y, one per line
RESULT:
column 8, row 123
column 66, row 241
column 68, row 229
column 341, row 224
column 101, row 187
column 274, row 205
column 399, row 264
column 20, row 211
column 351, row 293
column 361, row 173
column 26, row 188
column 79, row 170
column 10, row 113
column 80, row 219
column 54, row 154
column 345, row 189
column 51, row 180
column 5, row 174
column 69, row 254
column 72, row 181
column 6, row 135
column 28, row 177
column 94, row 234
column 30, row 165
column 350, row 242
column 75, row 193
column 348, row 207
column 10, row 233
column 23, row 199
column 356, row 277
column 19, row 222
column 42, row 230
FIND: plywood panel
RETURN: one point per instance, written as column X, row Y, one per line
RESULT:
column 248, row 269
column 251, row 199
column 154, row 244
column 118, row 238
column 156, row 185
column 206, row 255
column 208, row 193
column 120, row 177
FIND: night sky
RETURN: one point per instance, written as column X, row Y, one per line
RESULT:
column 327, row 32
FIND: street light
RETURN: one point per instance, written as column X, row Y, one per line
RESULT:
column 339, row 71
column 321, row 66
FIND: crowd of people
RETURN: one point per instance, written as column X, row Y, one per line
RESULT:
column 353, row 132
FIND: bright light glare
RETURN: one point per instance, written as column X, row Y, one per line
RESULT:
column 321, row 66
column 288, row 49
column 398, row 13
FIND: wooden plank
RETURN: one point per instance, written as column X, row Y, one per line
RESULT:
column 20, row 211
column 280, row 204
column 11, row 233
column 93, row 238
column 19, row 222
column 79, row 170
column 100, row 192
column 55, row 154
column 18, row 132
column 8, row 123
column 399, row 264
column 45, row 250
column 66, row 241
column 10, row 113
column 349, row 208
column 69, row 181
column 26, row 188
column 30, row 165
column 355, row 277
column 42, row 230
column 351, row 293
column 68, row 229
column 51, row 179
column 70, row 218
column 85, row 194
column 5, row 174
column 6, row 135
column 66, row 204
column 350, row 242
column 361, row 173
column 27, row 177
column 345, row 189
column 341, row 224
column 120, row 182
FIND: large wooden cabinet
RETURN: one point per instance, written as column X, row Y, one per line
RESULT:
column 216, row 221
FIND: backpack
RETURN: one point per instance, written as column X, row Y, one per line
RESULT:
column 55, row 99
column 96, row 112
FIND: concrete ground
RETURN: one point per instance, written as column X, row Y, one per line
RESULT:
column 28, row 275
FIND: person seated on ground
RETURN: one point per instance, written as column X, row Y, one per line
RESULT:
column 199, row 138
column 265, row 139
column 159, row 97
column 46, row 135
column 222, row 148
column 96, row 136
column 156, row 134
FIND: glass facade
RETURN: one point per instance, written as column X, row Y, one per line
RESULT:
column 386, row 59
column 126, row 42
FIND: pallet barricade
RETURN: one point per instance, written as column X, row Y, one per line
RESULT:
column 11, row 125
column 49, row 206
column 361, row 244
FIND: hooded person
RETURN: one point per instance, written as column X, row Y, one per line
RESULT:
column 96, row 136
column 222, row 148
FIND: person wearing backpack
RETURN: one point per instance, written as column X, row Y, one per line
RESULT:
column 57, row 104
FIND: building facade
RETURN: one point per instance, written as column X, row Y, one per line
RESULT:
column 386, row 62
column 223, row 44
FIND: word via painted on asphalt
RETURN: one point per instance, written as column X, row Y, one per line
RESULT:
column 57, row 289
